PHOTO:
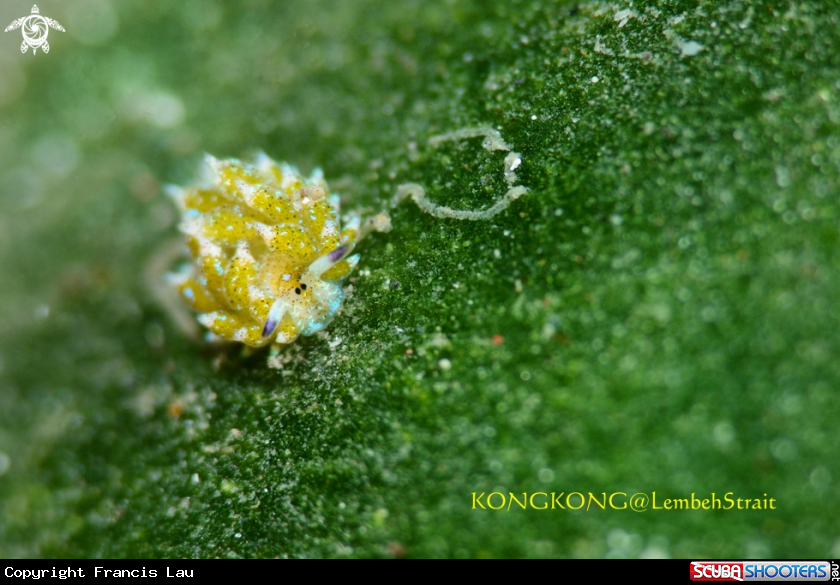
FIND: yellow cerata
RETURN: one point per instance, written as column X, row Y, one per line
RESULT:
column 267, row 251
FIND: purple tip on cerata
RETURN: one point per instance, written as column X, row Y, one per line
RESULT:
column 338, row 253
column 270, row 326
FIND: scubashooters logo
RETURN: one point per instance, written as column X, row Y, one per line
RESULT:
column 760, row 571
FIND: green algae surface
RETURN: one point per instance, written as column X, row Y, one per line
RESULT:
column 658, row 314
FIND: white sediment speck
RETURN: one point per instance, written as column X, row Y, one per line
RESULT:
column 690, row 48
column 622, row 16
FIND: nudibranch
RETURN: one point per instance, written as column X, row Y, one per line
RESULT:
column 268, row 252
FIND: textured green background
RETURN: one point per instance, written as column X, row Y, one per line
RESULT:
column 666, row 293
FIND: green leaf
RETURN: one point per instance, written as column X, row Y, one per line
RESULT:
column 657, row 314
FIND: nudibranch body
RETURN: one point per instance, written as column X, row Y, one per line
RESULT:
column 267, row 251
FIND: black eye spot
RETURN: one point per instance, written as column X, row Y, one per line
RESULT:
column 303, row 286
column 297, row 290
